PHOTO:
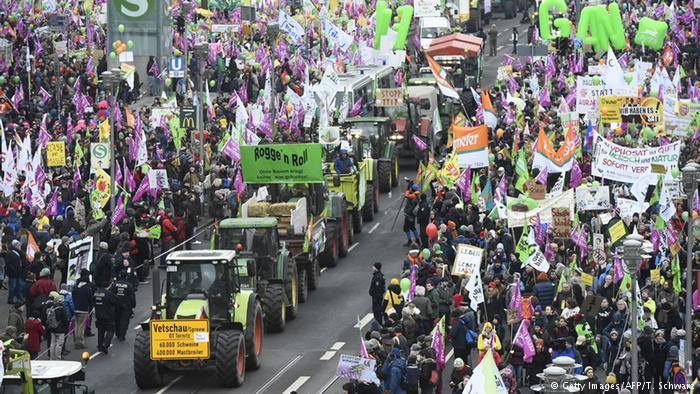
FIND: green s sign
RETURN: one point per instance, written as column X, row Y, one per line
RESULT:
column 282, row 163
column 134, row 9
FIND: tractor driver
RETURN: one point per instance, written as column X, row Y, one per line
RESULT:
column 343, row 163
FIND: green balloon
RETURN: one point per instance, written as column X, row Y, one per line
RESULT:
column 121, row 28
column 114, row 45
column 405, row 284
column 628, row 78
column 168, row 82
column 177, row 52
column 112, row 55
column 595, row 183
column 71, row 80
column 675, row 172
column 129, row 44
column 16, row 79
column 2, row 79
column 596, row 80
column 628, row 138
column 425, row 253
column 212, row 83
column 492, row 158
column 684, row 216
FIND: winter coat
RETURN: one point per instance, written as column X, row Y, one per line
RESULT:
column 14, row 264
column 43, row 286
column 393, row 372
column 378, row 286
column 83, row 297
column 545, row 292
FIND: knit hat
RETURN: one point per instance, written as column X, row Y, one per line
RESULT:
column 459, row 363
column 378, row 266
column 104, row 245
column 581, row 340
column 54, row 294
column 44, row 272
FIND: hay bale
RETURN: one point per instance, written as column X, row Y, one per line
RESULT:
column 258, row 209
column 282, row 209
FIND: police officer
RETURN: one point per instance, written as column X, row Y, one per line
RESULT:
column 125, row 303
column 105, row 303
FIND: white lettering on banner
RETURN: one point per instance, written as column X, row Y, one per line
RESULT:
column 544, row 209
column 623, row 164
column 587, row 94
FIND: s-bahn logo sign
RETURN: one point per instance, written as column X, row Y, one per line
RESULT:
column 134, row 9
column 99, row 155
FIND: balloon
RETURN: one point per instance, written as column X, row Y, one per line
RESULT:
column 595, row 80
column 604, row 110
column 543, row 13
column 16, row 79
column 425, row 253
column 212, row 83
column 177, row 52
column 492, row 158
column 71, row 80
column 129, row 44
column 112, row 55
column 618, row 131
column 115, row 44
column 432, row 231
column 405, row 284
column 499, row 133
column 595, row 183
column 168, row 82
column 651, row 33
column 290, row 108
column 684, row 216
column 675, row 172
column 406, row 13
column 2, row 79
column 655, row 92
column 628, row 78
column 382, row 16
column 628, row 138
column 121, row 28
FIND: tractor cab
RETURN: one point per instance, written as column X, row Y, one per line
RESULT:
column 23, row 376
column 201, row 285
column 372, row 132
column 257, row 235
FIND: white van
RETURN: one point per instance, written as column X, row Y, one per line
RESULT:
column 432, row 27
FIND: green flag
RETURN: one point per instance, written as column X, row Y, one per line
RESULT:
column 659, row 223
column 522, row 248
column 657, row 191
column 676, row 270
column 521, row 170
column 473, row 187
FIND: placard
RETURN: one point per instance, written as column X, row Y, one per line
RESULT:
column 628, row 165
column 561, row 220
column 423, row 8
column 587, row 279
column 588, row 92
column 100, row 155
column 536, row 190
column 630, row 109
column 593, row 198
column 591, row 305
column 467, row 261
column 512, row 316
column 56, row 153
column 79, row 258
column 358, row 368
column 389, row 97
column 282, row 163
column 179, row 339
column 471, row 146
column 329, row 135
column 617, row 231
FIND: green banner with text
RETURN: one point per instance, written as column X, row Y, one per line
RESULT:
column 282, row 163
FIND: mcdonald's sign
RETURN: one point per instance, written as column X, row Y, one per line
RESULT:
column 188, row 118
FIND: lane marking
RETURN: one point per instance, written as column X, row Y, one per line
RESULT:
column 138, row 326
column 328, row 355
column 449, row 355
column 297, row 383
column 172, row 382
column 364, row 321
column 279, row 373
column 328, row 385
column 353, row 246
column 95, row 355
column 324, row 269
column 374, row 227
column 337, row 345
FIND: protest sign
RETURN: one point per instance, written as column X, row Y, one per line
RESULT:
column 329, row 135
column 679, row 117
column 467, row 261
column 591, row 305
column 629, row 207
column 630, row 109
column 512, row 315
column 537, row 259
column 593, row 198
column 422, row 8
column 586, row 279
column 79, row 257
column 561, row 220
column 588, row 89
column 56, row 154
column 390, row 97
column 336, row 36
column 544, row 209
column 291, row 27
column 282, row 163
column 623, row 164
column 158, row 179
column 471, row 146
column 358, row 368
column 617, row 231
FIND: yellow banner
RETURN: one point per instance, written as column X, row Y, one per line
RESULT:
column 619, row 109
column 56, row 154
column 104, row 131
column 179, row 339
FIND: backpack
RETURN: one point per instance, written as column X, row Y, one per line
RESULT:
column 52, row 322
column 471, row 335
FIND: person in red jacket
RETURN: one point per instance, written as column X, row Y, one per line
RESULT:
column 168, row 232
column 44, row 285
column 34, row 330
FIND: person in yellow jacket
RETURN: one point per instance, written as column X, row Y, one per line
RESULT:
column 393, row 300
column 489, row 339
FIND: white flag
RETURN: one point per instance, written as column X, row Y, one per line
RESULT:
column 558, row 187
column 437, row 125
column 486, row 378
column 476, row 290
column 612, row 73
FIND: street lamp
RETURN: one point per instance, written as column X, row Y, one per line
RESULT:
column 690, row 184
column 632, row 247
column 110, row 81
column 201, row 51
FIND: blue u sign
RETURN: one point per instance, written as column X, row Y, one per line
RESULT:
column 176, row 67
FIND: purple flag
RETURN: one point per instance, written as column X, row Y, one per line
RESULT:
column 238, row 182
column 76, row 179
column 576, row 175
column 69, row 130
column 539, row 234
column 119, row 210
column 502, row 187
column 143, row 188
column 45, row 96
column 232, row 150
column 464, row 183
column 44, row 135
column 128, row 177
column 655, row 240
column 696, row 202
column 18, row 96
column 355, row 110
column 52, row 208
column 419, row 143
column 438, row 345
column 582, row 244
column 117, row 173
column 516, row 299
column 542, row 176
column 412, row 287
column 617, row 270
column 40, row 175
column 524, row 340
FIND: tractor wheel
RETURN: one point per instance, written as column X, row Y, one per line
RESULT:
column 357, row 221
column 303, row 285
column 275, row 310
column 395, row 172
column 329, row 257
column 368, row 209
column 384, row 175
column 375, row 206
column 291, row 285
column 314, row 273
column 147, row 372
column 344, row 236
column 351, row 229
column 254, row 335
column 229, row 356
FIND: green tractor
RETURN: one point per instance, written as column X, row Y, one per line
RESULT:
column 22, row 375
column 276, row 278
column 378, row 138
column 205, row 317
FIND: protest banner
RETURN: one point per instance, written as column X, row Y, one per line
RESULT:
column 630, row 109
column 544, row 209
column 679, row 117
column 629, row 207
column 282, row 163
column 390, row 97
column 79, row 257
column 561, row 220
column 589, row 88
column 422, row 8
column 593, row 198
column 358, row 368
column 471, row 146
column 467, row 261
column 623, row 164
column 536, row 190
column 555, row 161
column 56, row 154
